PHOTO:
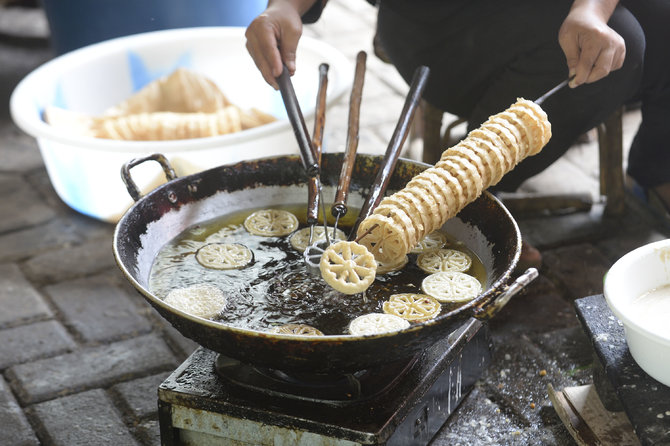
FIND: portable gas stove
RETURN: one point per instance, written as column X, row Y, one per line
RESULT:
column 214, row 400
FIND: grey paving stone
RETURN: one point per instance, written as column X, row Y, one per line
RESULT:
column 517, row 381
column 553, row 436
column 149, row 432
column 16, row 430
column 97, row 310
column 183, row 344
column 580, row 268
column 19, row 150
column 540, row 307
column 478, row 420
column 33, row 341
column 87, row 418
column 614, row 248
column 571, row 351
column 71, row 262
column 20, row 301
column 24, row 243
column 140, row 396
column 39, row 179
column 88, row 368
column 23, row 22
column 22, row 205
column 561, row 230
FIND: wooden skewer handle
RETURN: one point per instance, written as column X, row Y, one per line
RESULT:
column 339, row 207
column 317, row 141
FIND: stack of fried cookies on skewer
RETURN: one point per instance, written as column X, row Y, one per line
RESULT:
column 465, row 170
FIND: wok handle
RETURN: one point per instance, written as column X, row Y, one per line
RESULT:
column 487, row 311
column 132, row 188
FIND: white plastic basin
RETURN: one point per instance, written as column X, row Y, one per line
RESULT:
column 647, row 332
column 85, row 171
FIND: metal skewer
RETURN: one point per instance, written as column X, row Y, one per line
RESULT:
column 395, row 145
column 544, row 97
column 298, row 123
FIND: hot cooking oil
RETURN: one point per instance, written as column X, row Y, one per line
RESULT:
column 276, row 288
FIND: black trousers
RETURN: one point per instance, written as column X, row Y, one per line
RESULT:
column 484, row 54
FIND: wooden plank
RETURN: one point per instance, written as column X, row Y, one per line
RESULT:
column 588, row 421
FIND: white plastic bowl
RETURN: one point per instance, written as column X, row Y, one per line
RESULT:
column 85, row 171
column 639, row 271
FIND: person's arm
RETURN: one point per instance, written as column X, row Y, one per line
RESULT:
column 272, row 37
column 592, row 49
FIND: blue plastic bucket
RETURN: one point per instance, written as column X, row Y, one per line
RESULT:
column 77, row 23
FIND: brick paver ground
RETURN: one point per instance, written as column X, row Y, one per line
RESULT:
column 82, row 354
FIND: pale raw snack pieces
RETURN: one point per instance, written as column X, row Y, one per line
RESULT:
column 205, row 301
column 412, row 307
column 444, row 259
column 348, row 267
column 451, row 286
column 300, row 239
column 224, row 256
column 384, row 268
column 434, row 240
column 457, row 179
column 376, row 323
column 271, row 222
column 162, row 126
column 183, row 91
column 297, row 329
column 183, row 105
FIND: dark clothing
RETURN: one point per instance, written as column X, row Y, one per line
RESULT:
column 483, row 54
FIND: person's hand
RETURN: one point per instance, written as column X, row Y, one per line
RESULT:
column 272, row 39
column 592, row 49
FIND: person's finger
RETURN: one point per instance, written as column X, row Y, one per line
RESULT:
column 570, row 49
column 288, row 46
column 263, row 64
column 587, row 59
column 262, row 45
column 602, row 66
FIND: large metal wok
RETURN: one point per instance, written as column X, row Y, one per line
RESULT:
column 485, row 226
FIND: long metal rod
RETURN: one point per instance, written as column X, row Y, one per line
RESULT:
column 544, row 97
column 298, row 123
column 395, row 145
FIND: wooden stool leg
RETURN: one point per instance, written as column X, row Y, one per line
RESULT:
column 610, row 142
column 432, row 128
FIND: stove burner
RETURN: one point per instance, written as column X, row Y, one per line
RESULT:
column 333, row 390
column 212, row 399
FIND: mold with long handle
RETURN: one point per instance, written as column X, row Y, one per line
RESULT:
column 314, row 251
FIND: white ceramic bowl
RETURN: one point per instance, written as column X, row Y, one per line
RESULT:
column 85, row 171
column 647, row 332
